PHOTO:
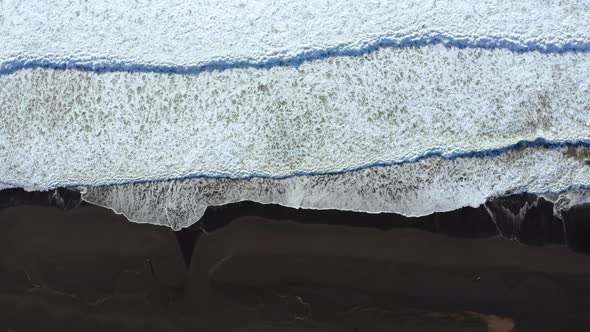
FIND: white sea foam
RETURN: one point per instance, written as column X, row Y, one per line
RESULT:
column 194, row 32
column 414, row 189
column 336, row 113
column 566, row 201
column 71, row 127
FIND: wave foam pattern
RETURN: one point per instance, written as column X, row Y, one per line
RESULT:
column 72, row 128
column 416, row 189
column 122, row 35
column 568, row 200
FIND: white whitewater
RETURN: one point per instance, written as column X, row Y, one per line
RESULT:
column 393, row 105
column 196, row 32
column 160, row 109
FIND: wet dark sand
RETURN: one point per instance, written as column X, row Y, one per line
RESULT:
column 249, row 267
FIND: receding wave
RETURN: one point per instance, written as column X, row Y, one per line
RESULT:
column 416, row 189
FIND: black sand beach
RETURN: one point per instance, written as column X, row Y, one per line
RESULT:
column 69, row 266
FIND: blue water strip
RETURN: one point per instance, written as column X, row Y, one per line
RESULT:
column 489, row 43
